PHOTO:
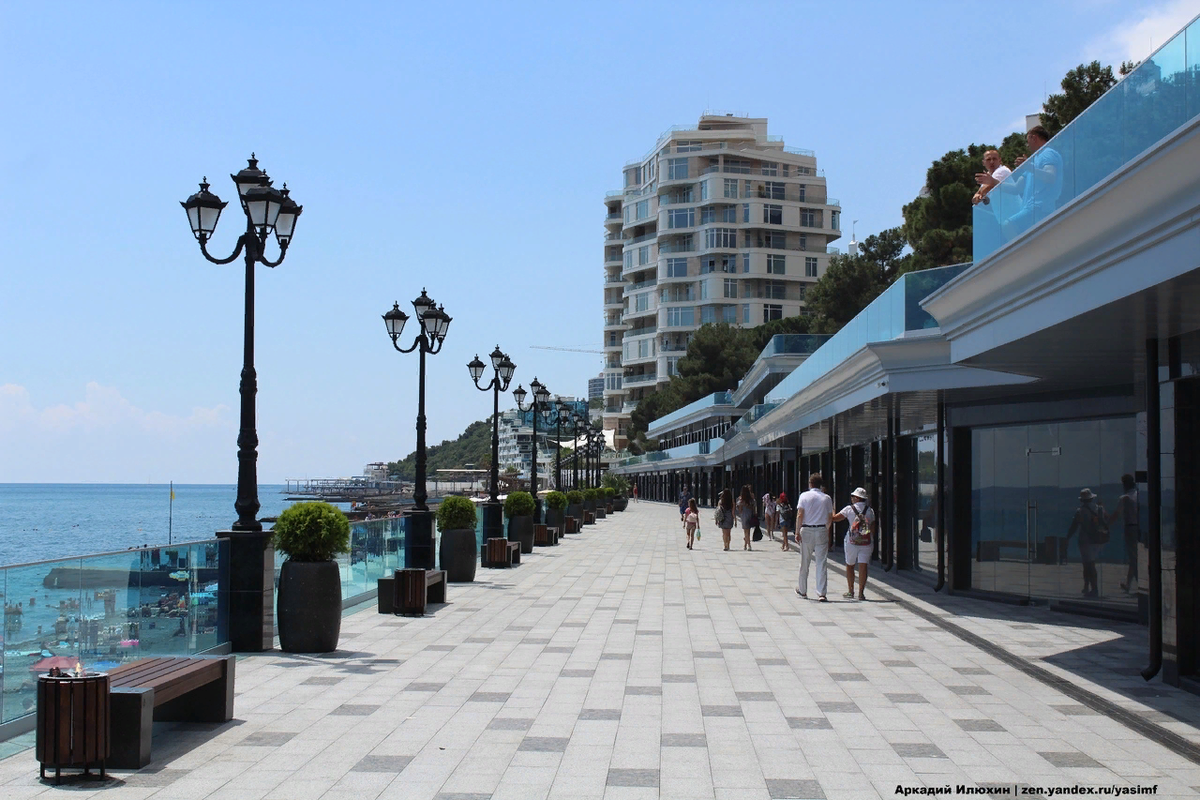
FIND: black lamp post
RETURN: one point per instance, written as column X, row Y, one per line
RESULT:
column 493, row 520
column 434, row 322
column 561, row 415
column 597, row 441
column 267, row 210
column 576, row 421
column 541, row 396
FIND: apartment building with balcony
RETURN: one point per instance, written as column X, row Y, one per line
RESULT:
column 719, row 222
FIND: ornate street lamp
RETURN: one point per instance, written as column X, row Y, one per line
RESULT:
column 576, row 421
column 562, row 413
column 541, row 397
column 267, row 210
column 596, row 439
column 503, row 367
column 434, row 322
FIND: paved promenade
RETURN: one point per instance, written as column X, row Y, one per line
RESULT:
column 620, row 665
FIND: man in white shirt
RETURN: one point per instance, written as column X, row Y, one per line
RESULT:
column 996, row 172
column 814, row 514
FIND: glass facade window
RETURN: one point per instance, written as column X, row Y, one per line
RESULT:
column 643, row 209
column 642, row 301
column 678, row 317
column 774, row 239
column 772, row 312
column 643, row 255
column 808, row 218
column 775, row 290
column 772, row 214
column 627, row 259
column 776, row 264
column 708, row 314
column 810, row 267
column 708, row 214
column 803, row 192
column 703, row 290
column 775, row 190
column 738, row 165
column 745, row 212
column 687, row 146
column 677, row 168
column 720, row 237
column 746, row 313
column 703, row 190
column 731, row 187
column 745, row 262
column 676, row 267
column 681, row 218
column 770, row 168
column 728, row 214
column 729, row 314
column 731, row 287
column 1028, row 535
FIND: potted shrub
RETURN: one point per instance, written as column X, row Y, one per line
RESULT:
column 556, row 502
column 309, row 605
column 609, row 494
column 519, row 507
column 575, row 505
column 589, row 500
column 620, row 486
column 459, row 550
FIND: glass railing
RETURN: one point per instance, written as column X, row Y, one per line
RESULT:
column 888, row 316
column 1148, row 104
column 793, row 344
column 105, row 610
column 650, row 376
column 714, row 399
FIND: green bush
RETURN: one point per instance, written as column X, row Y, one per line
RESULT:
column 456, row 513
column 312, row 532
column 556, row 500
column 590, row 494
column 618, row 483
column 609, row 492
column 519, row 504
column 574, row 497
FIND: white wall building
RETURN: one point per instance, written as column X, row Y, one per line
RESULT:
column 717, row 223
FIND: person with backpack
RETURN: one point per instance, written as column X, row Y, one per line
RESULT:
column 858, row 540
column 1089, row 523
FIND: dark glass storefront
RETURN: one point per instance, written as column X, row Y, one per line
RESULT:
column 1025, row 492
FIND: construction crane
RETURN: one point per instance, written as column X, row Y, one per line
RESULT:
column 564, row 349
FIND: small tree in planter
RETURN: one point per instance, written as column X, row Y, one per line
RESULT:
column 311, row 535
column 556, row 502
column 519, row 507
column 620, row 485
column 609, row 493
column 575, row 505
column 459, row 550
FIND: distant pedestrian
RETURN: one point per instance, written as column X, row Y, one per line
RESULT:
column 723, row 517
column 814, row 513
column 786, row 516
column 768, row 512
column 1128, row 513
column 744, row 510
column 1089, row 523
column 858, row 540
column 685, row 495
column 635, row 494
column 691, row 522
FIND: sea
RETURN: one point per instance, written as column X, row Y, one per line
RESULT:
column 43, row 521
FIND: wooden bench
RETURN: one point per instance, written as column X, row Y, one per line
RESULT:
column 406, row 593
column 500, row 553
column 193, row 689
column 589, row 518
column 556, row 531
column 572, row 524
column 545, row 535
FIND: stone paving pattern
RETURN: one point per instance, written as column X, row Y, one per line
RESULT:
column 621, row 665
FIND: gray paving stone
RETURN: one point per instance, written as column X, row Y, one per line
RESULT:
column 794, row 790
column 980, row 725
column 352, row 710
column 441, row 648
column 917, row 750
column 616, row 656
column 754, row 630
column 544, row 744
column 393, row 764
column 968, row 691
column 461, row 796
column 721, row 711
column 1071, row 759
column 510, row 724
column 906, row 698
column 907, row 648
column 971, row 671
column 156, row 779
column 771, row 662
column 560, row 649
column 268, row 738
column 810, row 723
column 684, row 740
column 633, row 777
column 838, row 707
column 490, row 697
column 735, row 646
column 698, row 616
column 897, row 662
column 573, row 625
column 824, row 623
column 751, row 697
column 424, row 687
column 862, row 635
column 600, row 714
column 649, row 633
column 1075, row 710
column 480, row 640
column 577, row 673
column 846, row 677
column 322, row 681
column 707, row 654
column 647, row 690
column 678, row 678
column 536, row 640
column 625, row 622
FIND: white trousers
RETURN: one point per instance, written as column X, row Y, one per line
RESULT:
column 814, row 543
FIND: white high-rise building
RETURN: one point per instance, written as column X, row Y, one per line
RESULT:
column 718, row 223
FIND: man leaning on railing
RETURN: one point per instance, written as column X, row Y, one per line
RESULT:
column 1035, row 191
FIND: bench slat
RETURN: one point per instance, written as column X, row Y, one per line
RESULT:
column 168, row 677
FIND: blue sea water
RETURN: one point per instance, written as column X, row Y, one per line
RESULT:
column 42, row 521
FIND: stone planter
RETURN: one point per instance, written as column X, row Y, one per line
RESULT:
column 575, row 510
column 620, row 503
column 601, row 513
column 309, row 606
column 459, row 554
column 554, row 517
column 589, row 505
column 520, row 529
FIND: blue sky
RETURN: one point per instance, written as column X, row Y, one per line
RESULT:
column 461, row 147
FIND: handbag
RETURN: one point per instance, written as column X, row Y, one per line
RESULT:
column 757, row 535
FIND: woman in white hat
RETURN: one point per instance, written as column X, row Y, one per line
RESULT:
column 858, row 540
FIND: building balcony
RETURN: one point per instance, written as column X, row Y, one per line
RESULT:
column 648, row 377
column 630, row 288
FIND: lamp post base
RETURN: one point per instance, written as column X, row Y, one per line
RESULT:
column 246, row 590
column 418, row 540
column 493, row 520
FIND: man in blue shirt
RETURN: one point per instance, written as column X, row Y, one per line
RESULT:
column 1039, row 187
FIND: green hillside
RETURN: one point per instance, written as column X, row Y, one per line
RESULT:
column 473, row 446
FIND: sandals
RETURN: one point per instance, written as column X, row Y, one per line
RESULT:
column 848, row 595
